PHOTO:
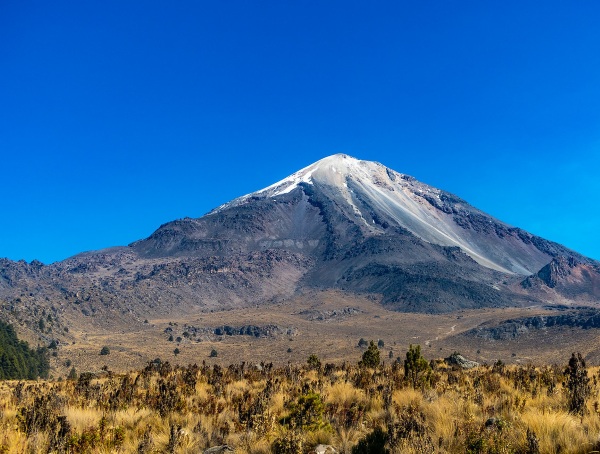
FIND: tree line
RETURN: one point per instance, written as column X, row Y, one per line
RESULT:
column 17, row 360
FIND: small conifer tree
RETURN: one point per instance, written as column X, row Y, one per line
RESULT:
column 416, row 368
column 371, row 357
column 314, row 362
column 72, row 374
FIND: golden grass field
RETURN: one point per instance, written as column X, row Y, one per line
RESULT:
column 293, row 408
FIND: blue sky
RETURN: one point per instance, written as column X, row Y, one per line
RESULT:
column 118, row 116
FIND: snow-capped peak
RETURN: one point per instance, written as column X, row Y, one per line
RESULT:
column 375, row 197
column 332, row 171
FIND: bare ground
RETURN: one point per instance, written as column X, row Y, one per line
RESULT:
column 333, row 339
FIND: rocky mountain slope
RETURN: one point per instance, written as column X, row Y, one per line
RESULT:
column 340, row 223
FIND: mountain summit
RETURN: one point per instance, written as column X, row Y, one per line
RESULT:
column 375, row 198
column 377, row 201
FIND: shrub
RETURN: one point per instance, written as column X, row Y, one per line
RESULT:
column 213, row 353
column 416, row 368
column 371, row 357
column 290, row 443
column 105, row 350
column 307, row 413
column 533, row 444
column 373, row 443
column 314, row 362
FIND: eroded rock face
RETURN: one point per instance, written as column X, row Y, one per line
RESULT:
column 559, row 268
column 569, row 277
column 253, row 330
column 584, row 318
column 330, row 315
column 199, row 333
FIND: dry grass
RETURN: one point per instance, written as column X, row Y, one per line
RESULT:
column 186, row 410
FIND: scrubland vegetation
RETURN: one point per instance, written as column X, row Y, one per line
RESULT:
column 409, row 406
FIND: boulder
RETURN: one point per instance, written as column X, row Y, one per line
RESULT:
column 324, row 449
column 456, row 359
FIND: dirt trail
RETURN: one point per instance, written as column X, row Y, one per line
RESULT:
column 428, row 342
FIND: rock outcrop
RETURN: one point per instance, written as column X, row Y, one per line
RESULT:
column 456, row 359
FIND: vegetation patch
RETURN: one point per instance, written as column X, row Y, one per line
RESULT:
column 17, row 360
column 411, row 405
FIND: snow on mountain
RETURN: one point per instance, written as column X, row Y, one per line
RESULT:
column 369, row 189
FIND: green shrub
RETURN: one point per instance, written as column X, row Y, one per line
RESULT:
column 314, row 362
column 72, row 374
column 416, row 368
column 371, row 357
column 307, row 413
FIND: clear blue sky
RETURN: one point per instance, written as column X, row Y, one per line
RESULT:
column 118, row 116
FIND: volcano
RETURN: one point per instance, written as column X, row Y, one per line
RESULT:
column 341, row 223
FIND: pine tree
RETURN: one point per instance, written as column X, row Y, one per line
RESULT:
column 371, row 357
column 72, row 374
column 416, row 368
